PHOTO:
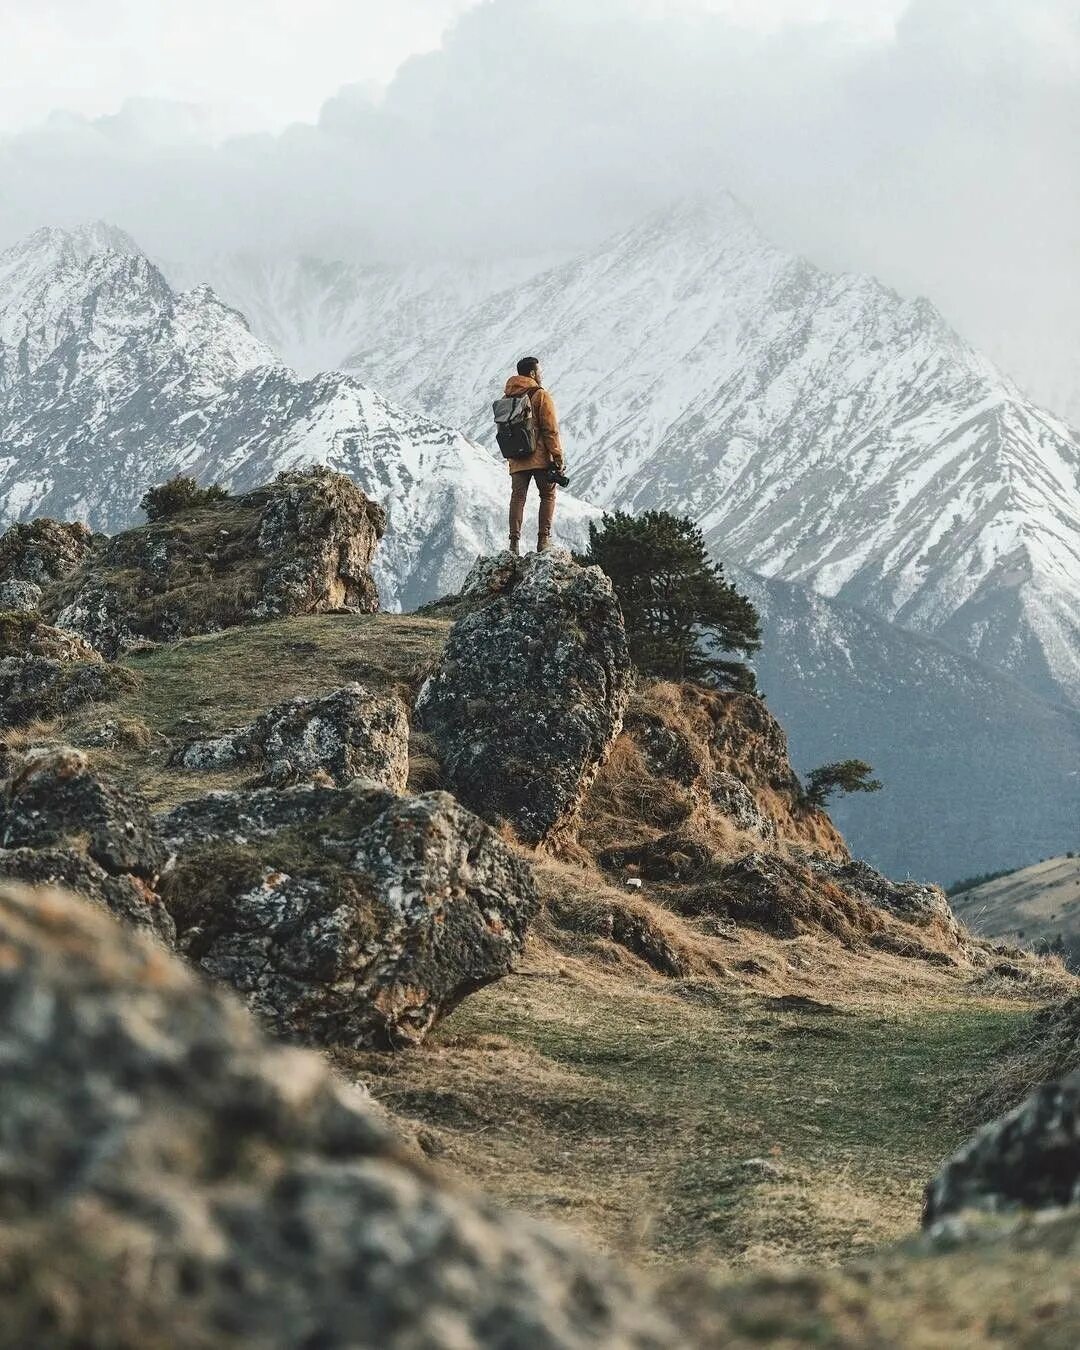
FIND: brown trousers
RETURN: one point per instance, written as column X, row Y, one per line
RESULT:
column 519, row 491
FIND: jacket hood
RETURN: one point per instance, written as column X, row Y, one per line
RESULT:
column 517, row 385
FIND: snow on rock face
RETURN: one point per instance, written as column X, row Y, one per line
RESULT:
column 110, row 382
column 819, row 427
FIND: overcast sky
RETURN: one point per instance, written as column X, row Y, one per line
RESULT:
column 931, row 141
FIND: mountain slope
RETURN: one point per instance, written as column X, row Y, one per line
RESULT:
column 1035, row 905
column 819, row 428
column 113, row 381
column 979, row 773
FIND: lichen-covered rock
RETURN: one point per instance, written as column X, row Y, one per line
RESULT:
column 346, row 734
column 27, row 634
column 36, row 687
column 43, row 551
column 1029, row 1159
column 912, row 901
column 346, row 916
column 733, row 799
column 168, row 1176
column 61, row 822
column 530, row 693
column 53, row 795
column 301, row 545
column 20, row 597
column 319, row 532
column 129, row 897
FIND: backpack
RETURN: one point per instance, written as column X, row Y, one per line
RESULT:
column 515, row 426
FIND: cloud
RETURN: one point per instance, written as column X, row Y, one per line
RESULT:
column 932, row 142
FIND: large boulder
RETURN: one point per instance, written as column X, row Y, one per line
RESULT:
column 346, row 734
column 346, row 916
column 1028, row 1159
column 530, row 692
column 61, row 823
column 301, row 545
column 170, row 1177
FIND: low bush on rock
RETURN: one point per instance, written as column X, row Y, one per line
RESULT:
column 181, row 493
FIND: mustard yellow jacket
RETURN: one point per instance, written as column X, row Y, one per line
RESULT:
column 548, row 445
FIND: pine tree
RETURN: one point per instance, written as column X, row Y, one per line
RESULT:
column 679, row 609
column 845, row 775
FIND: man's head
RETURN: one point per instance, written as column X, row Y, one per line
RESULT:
column 530, row 366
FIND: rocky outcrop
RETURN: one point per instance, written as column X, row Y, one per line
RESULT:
column 530, row 692
column 24, row 633
column 346, row 916
column 36, row 687
column 346, row 734
column 911, row 901
column 172, row 1177
column 62, row 823
column 41, row 552
column 1029, row 1159
column 735, row 802
column 301, row 545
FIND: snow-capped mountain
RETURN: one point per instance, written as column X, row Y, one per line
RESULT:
column 112, row 381
column 322, row 315
column 819, row 428
column 979, row 773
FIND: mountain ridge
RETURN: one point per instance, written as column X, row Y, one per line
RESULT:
column 820, row 428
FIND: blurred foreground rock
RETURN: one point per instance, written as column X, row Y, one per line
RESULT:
column 168, row 1177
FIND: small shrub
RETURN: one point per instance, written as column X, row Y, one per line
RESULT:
column 180, row 493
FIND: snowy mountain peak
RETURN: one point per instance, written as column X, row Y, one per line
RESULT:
column 51, row 246
column 820, row 427
column 111, row 381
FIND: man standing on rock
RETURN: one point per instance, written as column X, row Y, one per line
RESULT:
column 544, row 465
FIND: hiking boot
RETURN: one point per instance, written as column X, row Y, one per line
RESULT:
column 544, row 544
column 515, row 548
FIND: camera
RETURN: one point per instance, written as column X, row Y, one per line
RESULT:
column 554, row 475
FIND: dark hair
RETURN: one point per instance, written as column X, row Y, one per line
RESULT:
column 527, row 365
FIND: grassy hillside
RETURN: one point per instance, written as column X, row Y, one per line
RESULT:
column 1031, row 906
